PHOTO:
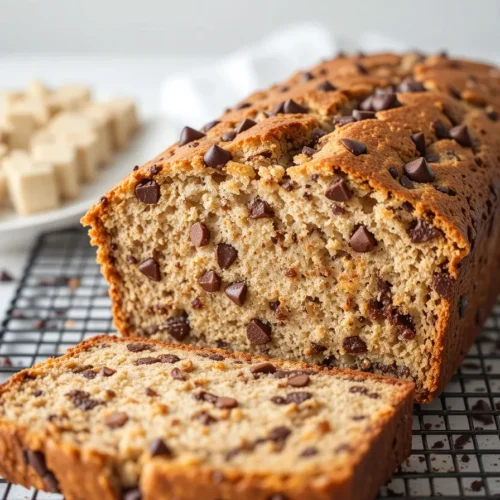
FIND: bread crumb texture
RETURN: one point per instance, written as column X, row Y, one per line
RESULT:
column 344, row 217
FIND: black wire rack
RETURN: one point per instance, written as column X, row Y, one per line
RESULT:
column 62, row 299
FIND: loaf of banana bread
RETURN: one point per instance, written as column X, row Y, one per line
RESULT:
column 128, row 419
column 344, row 217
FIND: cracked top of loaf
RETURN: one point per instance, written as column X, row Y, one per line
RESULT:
column 373, row 118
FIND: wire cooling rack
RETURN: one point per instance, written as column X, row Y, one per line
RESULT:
column 62, row 299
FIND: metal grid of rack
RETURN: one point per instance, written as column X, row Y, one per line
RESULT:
column 62, row 299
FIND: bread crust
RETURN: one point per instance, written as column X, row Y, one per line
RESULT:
column 88, row 474
column 466, row 220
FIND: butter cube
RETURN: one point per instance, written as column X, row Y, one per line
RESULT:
column 125, row 122
column 69, row 97
column 19, row 127
column 72, row 122
column 102, row 119
column 32, row 188
column 37, row 90
column 63, row 157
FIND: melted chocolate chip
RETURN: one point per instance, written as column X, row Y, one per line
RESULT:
column 443, row 284
column 177, row 327
column 354, row 345
column 151, row 269
column 393, row 171
column 169, row 358
column 300, row 380
column 82, row 400
column 406, row 182
column 263, row 368
column 260, row 209
column 140, row 347
column 422, row 231
column 148, row 191
column 148, row 360
column 309, row 452
column 177, row 374
column 258, row 332
column 225, row 403
column 280, row 433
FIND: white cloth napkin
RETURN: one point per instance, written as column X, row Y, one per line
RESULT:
column 200, row 95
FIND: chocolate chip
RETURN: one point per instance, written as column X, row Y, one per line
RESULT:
column 443, row 284
column 226, row 254
column 228, row 136
column 150, row 392
column 382, row 102
column 132, row 494
column 432, row 158
column 362, row 240
column 116, row 420
column 82, row 400
column 206, row 396
column 308, row 151
column 263, row 368
column 131, row 260
column 354, row 345
column 37, row 460
column 440, row 130
column 343, row 120
column 316, row 135
column 461, row 134
column 298, row 397
column 226, row 403
column 90, row 374
column 260, row 209
column 258, row 332
column 209, row 125
column 237, row 292
column 177, row 327
column 361, row 69
column 199, row 234
column 140, row 347
column 355, row 147
column 292, row 107
column 243, row 105
column 5, row 277
column 419, row 171
column 188, row 135
column 51, row 482
column 309, row 452
column 421, row 231
column 280, row 433
column 151, row 269
column 419, row 140
column 216, row 156
column 148, row 191
column 210, row 282
column 410, row 85
column 158, row 448
column 359, row 115
column 306, row 77
column 406, row 182
column 104, row 200
column 197, row 303
column 149, row 360
column 177, row 374
column 107, row 372
column 338, row 190
column 245, row 125
column 326, row 86
column 394, row 172
column 462, row 306
column 169, row 358
column 300, row 380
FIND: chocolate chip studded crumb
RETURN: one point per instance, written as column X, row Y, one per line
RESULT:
column 354, row 345
column 116, row 420
column 258, row 332
column 148, row 191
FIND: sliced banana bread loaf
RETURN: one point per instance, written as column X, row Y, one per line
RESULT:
column 120, row 418
column 344, row 217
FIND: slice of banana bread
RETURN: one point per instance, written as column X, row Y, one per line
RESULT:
column 119, row 418
column 345, row 217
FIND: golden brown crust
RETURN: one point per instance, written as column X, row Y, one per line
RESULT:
column 458, row 92
column 88, row 474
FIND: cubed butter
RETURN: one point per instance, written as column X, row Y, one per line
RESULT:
column 125, row 122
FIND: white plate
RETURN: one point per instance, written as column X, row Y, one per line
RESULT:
column 154, row 136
